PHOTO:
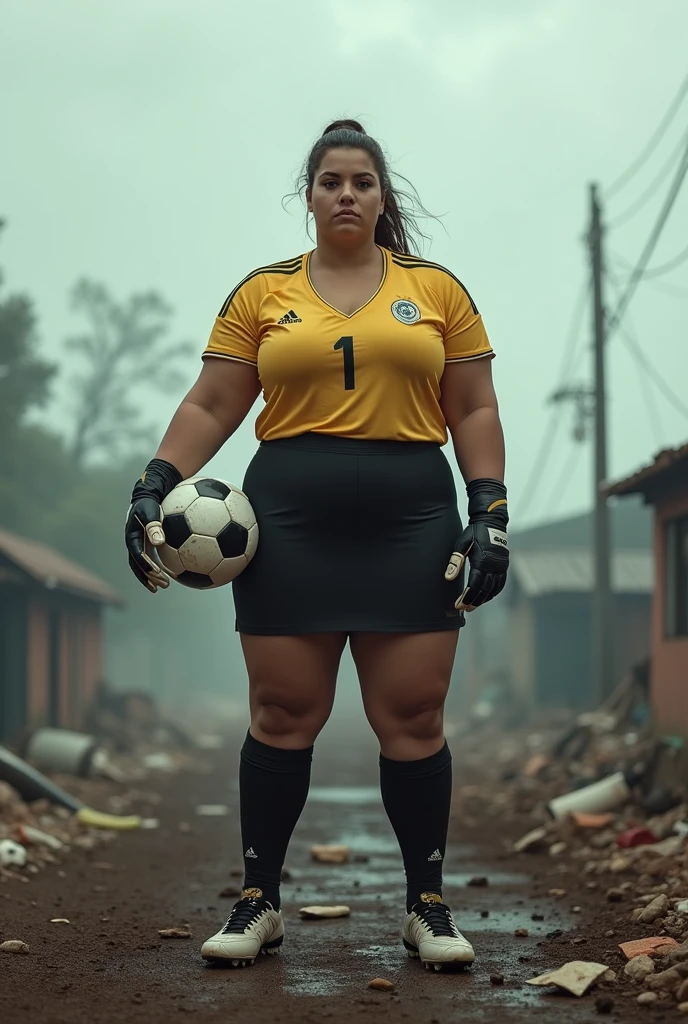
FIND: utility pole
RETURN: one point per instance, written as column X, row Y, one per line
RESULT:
column 602, row 604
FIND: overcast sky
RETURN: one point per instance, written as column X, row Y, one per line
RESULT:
column 150, row 144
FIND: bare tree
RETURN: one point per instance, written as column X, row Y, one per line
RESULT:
column 124, row 354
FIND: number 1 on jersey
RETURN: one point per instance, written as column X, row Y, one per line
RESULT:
column 347, row 346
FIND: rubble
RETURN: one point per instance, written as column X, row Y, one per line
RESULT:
column 324, row 912
column 327, row 854
column 13, row 946
column 381, row 985
column 575, row 977
column 639, row 967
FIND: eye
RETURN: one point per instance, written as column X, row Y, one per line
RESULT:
column 366, row 184
column 326, row 184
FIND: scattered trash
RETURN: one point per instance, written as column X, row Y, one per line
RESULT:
column 59, row 920
column 640, row 836
column 210, row 742
column 647, row 998
column 575, row 977
column 640, row 947
column 521, row 933
column 592, row 820
column 558, row 894
column 381, row 985
column 160, row 761
column 13, row 946
column 531, row 841
column 556, row 849
column 27, row 835
column 12, row 854
column 212, row 810
column 174, row 933
column 330, row 854
column 601, row 796
column 535, row 764
column 315, row 912
column 478, row 881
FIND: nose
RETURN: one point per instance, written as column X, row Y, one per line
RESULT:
column 346, row 196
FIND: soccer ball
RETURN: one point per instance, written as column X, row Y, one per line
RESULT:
column 211, row 533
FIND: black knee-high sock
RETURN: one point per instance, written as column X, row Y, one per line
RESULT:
column 417, row 798
column 273, row 786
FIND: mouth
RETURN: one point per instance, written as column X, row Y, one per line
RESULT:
column 346, row 214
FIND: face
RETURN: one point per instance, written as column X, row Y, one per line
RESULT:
column 346, row 198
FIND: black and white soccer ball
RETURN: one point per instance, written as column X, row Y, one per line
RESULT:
column 210, row 530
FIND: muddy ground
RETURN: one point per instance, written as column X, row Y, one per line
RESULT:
column 109, row 964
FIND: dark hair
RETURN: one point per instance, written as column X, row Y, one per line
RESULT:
column 397, row 227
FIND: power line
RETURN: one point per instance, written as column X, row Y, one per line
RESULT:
column 663, row 286
column 649, row 147
column 544, row 451
column 648, row 395
column 667, row 267
column 649, row 247
column 632, row 344
column 651, row 189
column 564, row 479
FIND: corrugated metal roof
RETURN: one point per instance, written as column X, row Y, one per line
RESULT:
column 572, row 571
column 638, row 482
column 54, row 571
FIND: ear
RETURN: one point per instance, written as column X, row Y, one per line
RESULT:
column 309, row 200
column 382, row 204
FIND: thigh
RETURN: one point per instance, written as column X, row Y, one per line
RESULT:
column 403, row 675
column 292, row 681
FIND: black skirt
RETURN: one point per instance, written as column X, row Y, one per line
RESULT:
column 355, row 536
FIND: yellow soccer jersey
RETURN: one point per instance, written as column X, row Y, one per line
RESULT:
column 375, row 374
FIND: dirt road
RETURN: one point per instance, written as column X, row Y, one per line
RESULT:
column 109, row 964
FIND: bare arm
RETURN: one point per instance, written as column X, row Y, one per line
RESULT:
column 470, row 409
column 214, row 408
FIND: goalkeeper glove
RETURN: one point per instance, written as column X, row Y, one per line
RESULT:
column 143, row 530
column 484, row 543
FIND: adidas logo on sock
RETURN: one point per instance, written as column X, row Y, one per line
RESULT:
column 435, row 856
column 251, row 853
column 290, row 318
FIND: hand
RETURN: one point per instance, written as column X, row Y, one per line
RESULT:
column 143, row 531
column 484, row 542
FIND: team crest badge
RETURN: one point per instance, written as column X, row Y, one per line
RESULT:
column 406, row 312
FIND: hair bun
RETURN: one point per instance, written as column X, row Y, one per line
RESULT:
column 345, row 124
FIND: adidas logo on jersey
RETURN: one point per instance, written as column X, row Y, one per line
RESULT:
column 251, row 853
column 435, row 856
column 290, row 318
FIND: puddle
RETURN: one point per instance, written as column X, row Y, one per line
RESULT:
column 345, row 794
column 459, row 879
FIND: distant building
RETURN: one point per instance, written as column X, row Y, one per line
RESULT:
column 535, row 641
column 664, row 485
column 50, row 635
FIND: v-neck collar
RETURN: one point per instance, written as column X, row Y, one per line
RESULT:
column 348, row 316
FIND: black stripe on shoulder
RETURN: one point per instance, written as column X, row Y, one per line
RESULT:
column 411, row 262
column 285, row 267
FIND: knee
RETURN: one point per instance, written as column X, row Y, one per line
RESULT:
column 278, row 718
column 418, row 718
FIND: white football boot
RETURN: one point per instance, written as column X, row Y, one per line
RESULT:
column 253, row 927
column 430, row 933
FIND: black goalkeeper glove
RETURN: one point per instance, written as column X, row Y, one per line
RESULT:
column 143, row 530
column 484, row 543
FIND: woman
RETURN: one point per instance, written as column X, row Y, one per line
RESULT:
column 366, row 356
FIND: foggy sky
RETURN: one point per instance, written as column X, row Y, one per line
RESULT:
column 150, row 145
